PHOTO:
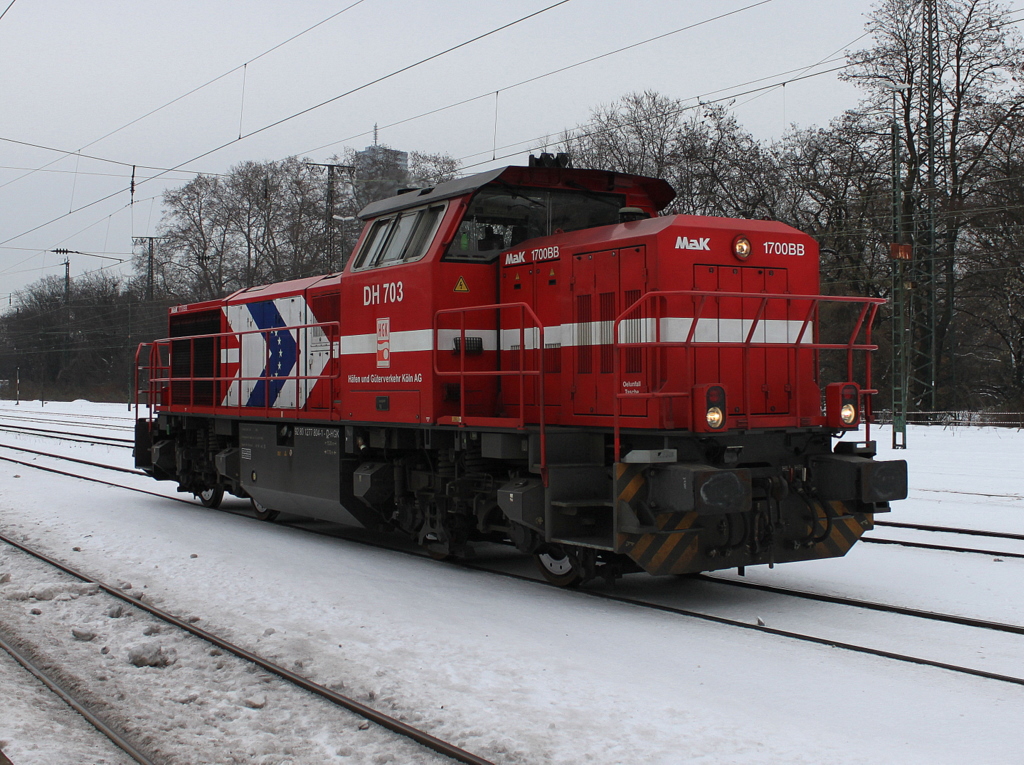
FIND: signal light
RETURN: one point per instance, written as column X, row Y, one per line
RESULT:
column 741, row 247
column 709, row 410
column 842, row 405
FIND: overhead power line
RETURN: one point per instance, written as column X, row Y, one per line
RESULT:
column 39, row 251
column 7, row 8
column 162, row 171
column 673, row 113
column 559, row 70
column 175, row 100
column 241, row 66
column 66, row 153
column 187, row 174
column 307, row 110
column 376, row 81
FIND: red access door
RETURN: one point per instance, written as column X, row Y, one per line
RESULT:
column 603, row 285
column 763, row 370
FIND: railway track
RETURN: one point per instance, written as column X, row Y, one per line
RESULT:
column 66, row 458
column 941, row 548
column 40, row 674
column 972, row 493
column 747, row 625
column 951, row 530
column 123, row 741
column 888, row 608
column 111, row 423
column 832, row 643
column 129, row 443
column 837, row 600
column 125, row 443
column 871, row 539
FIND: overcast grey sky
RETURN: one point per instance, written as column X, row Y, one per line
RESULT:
column 73, row 71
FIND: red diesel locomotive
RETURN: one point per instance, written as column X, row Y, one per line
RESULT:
column 531, row 355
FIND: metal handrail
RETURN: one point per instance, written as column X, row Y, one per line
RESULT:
column 525, row 312
column 165, row 379
column 865, row 319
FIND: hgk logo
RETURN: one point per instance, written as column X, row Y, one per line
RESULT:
column 383, row 343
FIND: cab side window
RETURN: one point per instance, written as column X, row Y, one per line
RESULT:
column 400, row 238
column 501, row 216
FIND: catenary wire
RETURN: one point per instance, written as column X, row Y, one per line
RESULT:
column 182, row 96
column 7, row 8
column 544, row 75
column 302, row 112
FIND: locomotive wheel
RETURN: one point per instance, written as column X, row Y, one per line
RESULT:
column 263, row 513
column 559, row 566
column 211, row 497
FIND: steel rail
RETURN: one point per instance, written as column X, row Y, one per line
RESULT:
column 965, row 621
column 952, row 618
column 54, row 421
column 869, row 605
column 971, row 493
column 62, row 429
column 944, row 548
column 94, row 480
column 951, row 530
column 131, row 471
column 853, row 647
column 81, row 438
column 892, row 524
column 24, row 413
column 119, row 740
column 369, row 713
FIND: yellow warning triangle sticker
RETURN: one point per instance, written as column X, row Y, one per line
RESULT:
column 461, row 286
column 517, row 277
column 552, row 272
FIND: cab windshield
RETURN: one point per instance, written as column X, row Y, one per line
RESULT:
column 502, row 216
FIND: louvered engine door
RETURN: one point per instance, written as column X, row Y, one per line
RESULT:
column 603, row 285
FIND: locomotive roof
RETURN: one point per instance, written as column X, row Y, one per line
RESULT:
column 658, row 191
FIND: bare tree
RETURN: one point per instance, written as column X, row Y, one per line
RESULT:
column 261, row 222
column 194, row 241
column 980, row 58
column 716, row 167
column 432, row 169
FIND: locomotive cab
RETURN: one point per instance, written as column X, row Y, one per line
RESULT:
column 433, row 255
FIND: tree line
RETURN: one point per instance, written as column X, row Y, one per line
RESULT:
column 270, row 221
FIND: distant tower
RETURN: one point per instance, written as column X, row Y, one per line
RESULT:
column 374, row 159
column 380, row 171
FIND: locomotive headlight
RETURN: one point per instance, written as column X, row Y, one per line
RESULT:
column 842, row 405
column 741, row 247
column 710, row 412
column 848, row 414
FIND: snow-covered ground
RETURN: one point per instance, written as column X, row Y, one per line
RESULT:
column 514, row 671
